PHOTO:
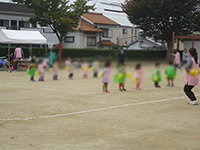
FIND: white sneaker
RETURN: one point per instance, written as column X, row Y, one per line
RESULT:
column 193, row 103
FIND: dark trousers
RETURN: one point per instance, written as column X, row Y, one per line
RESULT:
column 95, row 74
column 14, row 66
column 55, row 76
column 156, row 84
column 120, row 62
column 183, row 62
column 176, row 66
column 71, row 75
column 189, row 93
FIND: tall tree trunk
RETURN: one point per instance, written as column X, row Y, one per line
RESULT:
column 60, row 54
column 169, row 49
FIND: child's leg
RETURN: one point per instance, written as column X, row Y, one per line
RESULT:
column 95, row 75
column 172, row 82
column 189, row 93
column 120, row 85
column 138, row 85
column 106, row 87
column 156, row 84
column 32, row 78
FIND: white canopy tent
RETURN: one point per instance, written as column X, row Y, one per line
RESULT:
column 21, row 37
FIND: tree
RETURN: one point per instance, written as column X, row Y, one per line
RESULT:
column 59, row 15
column 160, row 18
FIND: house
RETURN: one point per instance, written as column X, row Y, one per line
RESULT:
column 107, row 38
column 127, row 32
column 85, row 36
column 94, row 30
column 145, row 43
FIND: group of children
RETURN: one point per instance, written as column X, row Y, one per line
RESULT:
column 192, row 75
column 121, row 75
column 54, row 69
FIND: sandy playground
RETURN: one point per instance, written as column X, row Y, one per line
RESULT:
column 76, row 115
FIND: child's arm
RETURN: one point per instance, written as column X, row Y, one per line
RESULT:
column 188, row 66
column 30, row 67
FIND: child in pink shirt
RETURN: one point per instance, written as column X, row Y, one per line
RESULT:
column 138, row 75
column 192, row 79
column 177, row 59
column 41, row 70
column 106, row 77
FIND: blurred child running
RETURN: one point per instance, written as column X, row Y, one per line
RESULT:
column 156, row 77
column 122, row 77
column 96, row 68
column 138, row 75
column 55, row 70
column 170, row 73
column 41, row 70
column 69, row 68
column 192, row 76
column 106, row 76
column 85, row 69
column 31, row 70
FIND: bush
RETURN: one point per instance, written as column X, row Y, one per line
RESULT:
column 104, row 54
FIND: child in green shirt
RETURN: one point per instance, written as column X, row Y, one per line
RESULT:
column 31, row 70
column 156, row 77
column 170, row 73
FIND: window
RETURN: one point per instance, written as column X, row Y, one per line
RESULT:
column 91, row 41
column 105, row 32
column 4, row 23
column 124, row 31
column 69, row 39
column 14, row 23
column 135, row 32
column 24, row 24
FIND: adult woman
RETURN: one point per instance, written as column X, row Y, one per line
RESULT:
column 192, row 76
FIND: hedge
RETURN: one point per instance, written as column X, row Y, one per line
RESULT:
column 88, row 53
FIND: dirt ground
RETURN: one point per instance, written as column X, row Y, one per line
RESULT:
column 76, row 115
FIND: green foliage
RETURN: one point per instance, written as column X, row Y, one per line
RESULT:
column 59, row 15
column 104, row 54
column 160, row 18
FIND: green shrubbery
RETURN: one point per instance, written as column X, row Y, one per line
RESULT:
column 104, row 54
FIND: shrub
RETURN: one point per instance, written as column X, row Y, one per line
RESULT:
column 104, row 54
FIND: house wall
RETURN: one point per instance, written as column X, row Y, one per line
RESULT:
column 80, row 40
column 112, row 33
column 126, row 39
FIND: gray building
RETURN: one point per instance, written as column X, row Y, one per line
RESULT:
column 94, row 30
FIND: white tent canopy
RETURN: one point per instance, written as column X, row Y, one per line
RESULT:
column 21, row 37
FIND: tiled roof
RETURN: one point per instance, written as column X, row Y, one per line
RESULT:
column 83, row 26
column 99, row 18
column 11, row 7
column 106, row 42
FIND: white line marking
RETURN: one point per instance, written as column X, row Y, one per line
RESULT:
column 149, row 88
column 94, row 110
